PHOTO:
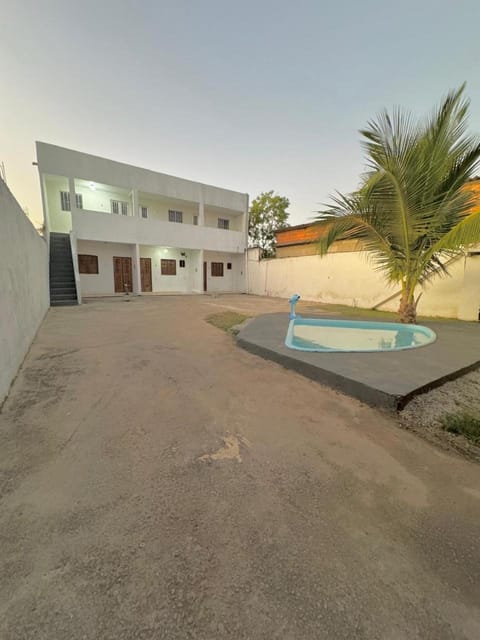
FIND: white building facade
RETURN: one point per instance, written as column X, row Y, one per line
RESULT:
column 140, row 231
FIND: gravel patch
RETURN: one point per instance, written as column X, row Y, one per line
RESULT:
column 424, row 412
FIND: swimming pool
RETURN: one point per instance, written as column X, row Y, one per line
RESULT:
column 320, row 334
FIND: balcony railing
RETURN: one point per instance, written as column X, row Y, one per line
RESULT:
column 92, row 225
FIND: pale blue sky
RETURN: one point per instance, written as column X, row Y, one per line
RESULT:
column 249, row 95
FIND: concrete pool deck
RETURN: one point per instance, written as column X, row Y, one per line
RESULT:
column 388, row 379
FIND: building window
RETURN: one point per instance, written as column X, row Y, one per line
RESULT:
column 217, row 269
column 87, row 264
column 144, row 212
column 195, row 220
column 229, row 265
column 65, row 200
column 181, row 264
column 223, row 223
column 175, row 216
column 169, row 267
column 119, row 207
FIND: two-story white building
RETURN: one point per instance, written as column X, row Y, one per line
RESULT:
column 131, row 229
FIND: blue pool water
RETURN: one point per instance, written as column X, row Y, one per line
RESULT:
column 318, row 334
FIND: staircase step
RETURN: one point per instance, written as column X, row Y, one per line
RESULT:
column 61, row 271
column 62, row 296
column 63, row 303
column 63, row 291
column 67, row 290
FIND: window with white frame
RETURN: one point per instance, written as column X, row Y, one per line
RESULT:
column 65, row 200
column 175, row 216
column 144, row 212
column 119, row 207
column 223, row 223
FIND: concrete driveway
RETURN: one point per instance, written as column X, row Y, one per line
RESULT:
column 159, row 482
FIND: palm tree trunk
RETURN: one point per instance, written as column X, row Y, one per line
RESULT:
column 408, row 308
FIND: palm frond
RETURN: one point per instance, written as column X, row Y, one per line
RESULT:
column 412, row 210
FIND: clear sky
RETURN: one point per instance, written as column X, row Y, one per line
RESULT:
column 250, row 95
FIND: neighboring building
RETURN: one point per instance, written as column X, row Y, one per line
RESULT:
column 301, row 240
column 131, row 229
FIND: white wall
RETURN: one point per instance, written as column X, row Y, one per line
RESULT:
column 337, row 278
column 158, row 210
column 183, row 281
column 56, row 160
column 134, row 230
column 350, row 279
column 103, row 282
column 99, row 199
column 469, row 302
column 211, row 220
column 58, row 221
column 24, row 294
column 233, row 279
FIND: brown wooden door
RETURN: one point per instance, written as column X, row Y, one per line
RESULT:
column 146, row 273
column 204, row 276
column 122, row 274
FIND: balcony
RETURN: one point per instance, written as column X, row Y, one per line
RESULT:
column 106, row 227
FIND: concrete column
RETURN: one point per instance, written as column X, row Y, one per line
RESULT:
column 71, row 188
column 137, row 282
column 73, row 201
column 244, row 271
column 245, row 220
column 73, row 246
column 198, row 280
column 201, row 212
column 135, row 205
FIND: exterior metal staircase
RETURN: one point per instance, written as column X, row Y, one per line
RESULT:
column 63, row 291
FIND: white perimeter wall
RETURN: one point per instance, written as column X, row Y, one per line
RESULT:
column 103, row 283
column 24, row 293
column 349, row 279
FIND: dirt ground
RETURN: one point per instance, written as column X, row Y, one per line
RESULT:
column 158, row 482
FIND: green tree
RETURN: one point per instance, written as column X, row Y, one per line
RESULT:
column 268, row 213
column 412, row 210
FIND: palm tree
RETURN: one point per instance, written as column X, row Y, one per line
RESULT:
column 412, row 211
